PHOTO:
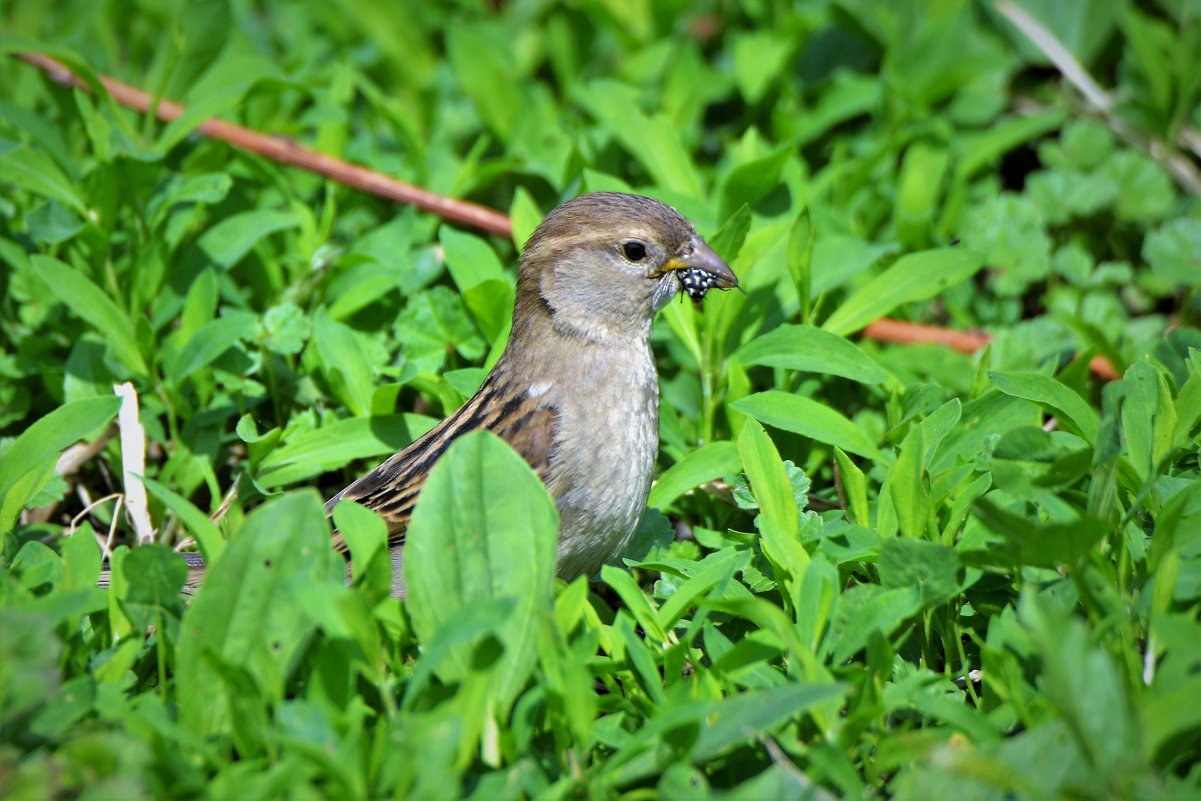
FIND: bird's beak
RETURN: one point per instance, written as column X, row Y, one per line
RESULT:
column 700, row 256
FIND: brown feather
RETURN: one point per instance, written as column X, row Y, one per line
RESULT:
column 392, row 489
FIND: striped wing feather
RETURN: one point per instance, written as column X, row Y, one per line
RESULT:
column 391, row 489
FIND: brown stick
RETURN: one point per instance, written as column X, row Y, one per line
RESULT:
column 887, row 329
column 289, row 152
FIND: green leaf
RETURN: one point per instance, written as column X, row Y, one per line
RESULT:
column 284, row 329
column 344, row 361
column 34, row 171
column 155, row 574
column 1148, row 418
column 1099, row 715
column 84, row 298
column 758, row 57
column 1029, row 543
column 710, row 461
column 433, row 322
column 1174, row 251
column 751, row 181
column 44, row 440
column 484, row 528
column 769, row 480
column 525, row 214
column 483, row 62
column 922, row 171
column 804, row 347
column 779, row 514
column 908, row 491
column 338, row 444
column 1145, row 192
column 720, row 725
column 227, row 242
column 855, row 487
column 915, row 276
column 247, row 612
column 653, row 141
column 210, row 341
column 929, row 566
column 366, row 535
column 807, row 417
column 1074, row 412
column 1011, row 229
column 207, row 535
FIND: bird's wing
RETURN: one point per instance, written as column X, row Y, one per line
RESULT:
column 527, row 423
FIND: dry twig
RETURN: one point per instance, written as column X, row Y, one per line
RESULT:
column 286, row 151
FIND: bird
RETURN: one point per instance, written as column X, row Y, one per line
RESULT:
column 576, row 391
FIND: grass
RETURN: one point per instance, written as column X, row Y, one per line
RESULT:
column 868, row 569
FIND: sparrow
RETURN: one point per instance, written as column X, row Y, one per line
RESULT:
column 576, row 391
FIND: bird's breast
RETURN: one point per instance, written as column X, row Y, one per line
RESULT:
column 606, row 442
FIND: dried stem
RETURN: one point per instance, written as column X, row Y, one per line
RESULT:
column 288, row 152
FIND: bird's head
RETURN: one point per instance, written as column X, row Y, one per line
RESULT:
column 605, row 262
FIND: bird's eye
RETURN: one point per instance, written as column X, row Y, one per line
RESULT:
column 634, row 250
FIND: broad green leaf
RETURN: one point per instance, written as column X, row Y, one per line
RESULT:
column 769, row 480
column 635, row 602
column 807, row 417
column 435, row 321
column 710, row 461
column 1148, row 418
column 1099, row 715
column 854, row 486
column 750, row 182
column 227, row 242
column 652, row 140
column 976, row 151
column 525, row 214
column 908, row 491
column 284, row 329
column 484, row 528
column 930, row 567
column 210, row 341
column 483, row 64
column 84, row 298
column 915, row 276
column 338, row 444
column 344, row 361
column 470, row 259
column 1174, row 251
column 837, row 259
column 155, row 574
column 991, row 414
column 246, row 611
column 366, row 535
column 1030, row 543
column 207, row 189
column 804, row 347
column 50, row 435
column 922, row 171
column 866, row 611
column 207, row 535
column 1074, row 412
column 758, row 58
column 34, row 171
column 779, row 516
column 720, row 725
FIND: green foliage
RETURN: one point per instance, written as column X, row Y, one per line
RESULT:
column 868, row 570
